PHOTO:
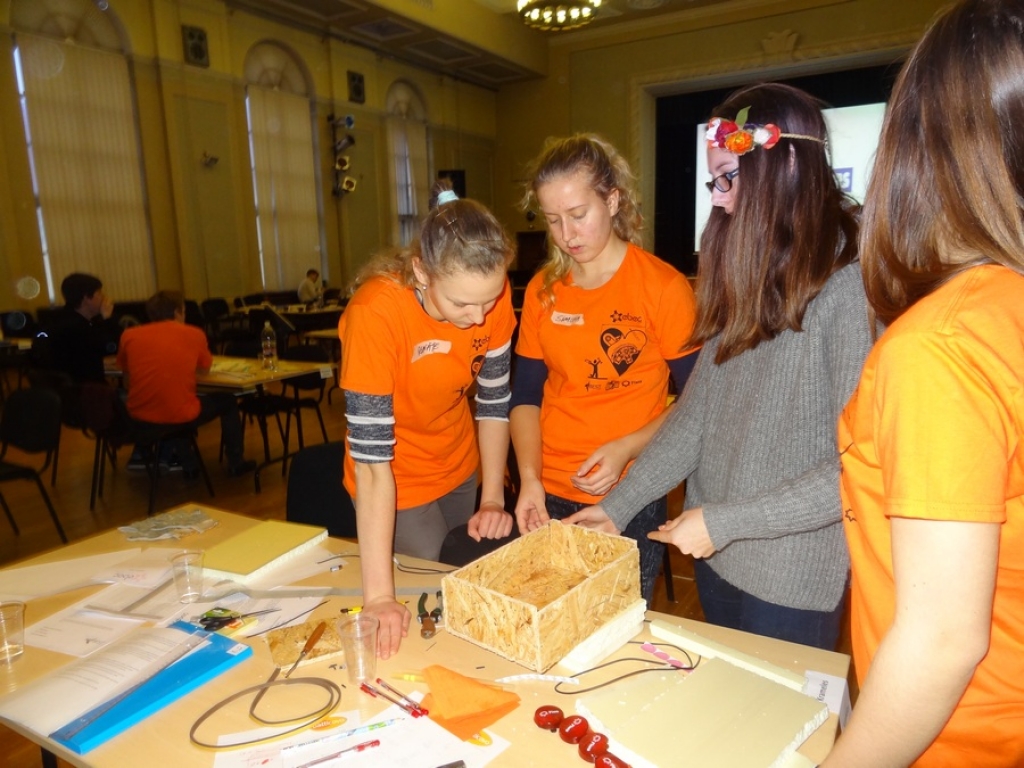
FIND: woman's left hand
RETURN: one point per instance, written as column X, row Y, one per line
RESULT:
column 602, row 469
column 594, row 518
column 490, row 522
column 687, row 532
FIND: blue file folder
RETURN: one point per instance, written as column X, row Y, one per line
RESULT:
column 101, row 724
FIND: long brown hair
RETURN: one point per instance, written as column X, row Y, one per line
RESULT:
column 790, row 230
column 458, row 235
column 606, row 170
column 948, row 182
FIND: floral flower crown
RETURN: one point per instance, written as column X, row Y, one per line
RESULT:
column 739, row 137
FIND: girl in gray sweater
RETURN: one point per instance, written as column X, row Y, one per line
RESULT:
column 783, row 320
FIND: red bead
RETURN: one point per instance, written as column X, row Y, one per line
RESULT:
column 548, row 717
column 593, row 746
column 573, row 728
column 608, row 760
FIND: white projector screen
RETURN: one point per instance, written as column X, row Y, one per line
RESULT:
column 853, row 136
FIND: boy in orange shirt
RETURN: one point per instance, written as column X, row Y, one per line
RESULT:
column 160, row 360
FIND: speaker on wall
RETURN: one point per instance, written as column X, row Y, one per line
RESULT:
column 356, row 87
column 194, row 45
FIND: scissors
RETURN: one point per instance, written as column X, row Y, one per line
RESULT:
column 218, row 618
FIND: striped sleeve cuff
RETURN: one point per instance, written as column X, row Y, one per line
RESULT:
column 493, row 391
column 371, row 427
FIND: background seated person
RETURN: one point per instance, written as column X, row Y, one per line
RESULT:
column 82, row 333
column 160, row 361
column 310, row 289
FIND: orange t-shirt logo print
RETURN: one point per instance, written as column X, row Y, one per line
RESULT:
column 623, row 349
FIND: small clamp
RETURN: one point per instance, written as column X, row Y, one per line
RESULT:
column 429, row 621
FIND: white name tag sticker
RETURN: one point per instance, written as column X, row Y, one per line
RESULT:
column 432, row 347
column 564, row 318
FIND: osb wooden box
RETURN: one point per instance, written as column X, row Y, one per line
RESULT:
column 536, row 598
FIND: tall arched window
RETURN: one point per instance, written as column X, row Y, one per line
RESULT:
column 282, row 151
column 410, row 166
column 81, row 133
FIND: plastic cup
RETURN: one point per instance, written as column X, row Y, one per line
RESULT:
column 187, row 568
column 359, row 641
column 12, row 630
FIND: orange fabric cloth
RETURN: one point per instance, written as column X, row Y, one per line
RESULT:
column 462, row 705
column 160, row 361
column 935, row 431
column 391, row 346
column 605, row 351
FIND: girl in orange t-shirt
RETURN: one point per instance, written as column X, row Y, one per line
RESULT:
column 933, row 439
column 425, row 325
column 604, row 323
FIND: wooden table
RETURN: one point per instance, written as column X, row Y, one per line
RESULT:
column 244, row 375
column 162, row 739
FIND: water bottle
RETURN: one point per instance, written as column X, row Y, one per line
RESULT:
column 269, row 342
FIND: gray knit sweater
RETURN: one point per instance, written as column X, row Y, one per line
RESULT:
column 755, row 438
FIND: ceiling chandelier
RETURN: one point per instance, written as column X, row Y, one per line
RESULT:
column 558, row 15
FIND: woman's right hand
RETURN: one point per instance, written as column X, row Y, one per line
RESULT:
column 394, row 621
column 531, row 511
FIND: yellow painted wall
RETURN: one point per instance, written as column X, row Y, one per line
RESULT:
column 598, row 80
column 203, row 217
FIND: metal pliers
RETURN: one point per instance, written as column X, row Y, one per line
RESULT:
column 429, row 621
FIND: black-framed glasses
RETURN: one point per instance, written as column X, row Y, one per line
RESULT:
column 722, row 183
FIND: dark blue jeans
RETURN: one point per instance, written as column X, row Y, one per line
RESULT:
column 652, row 553
column 729, row 606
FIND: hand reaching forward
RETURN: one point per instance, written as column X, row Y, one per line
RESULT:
column 687, row 532
column 593, row 518
column 394, row 621
column 531, row 510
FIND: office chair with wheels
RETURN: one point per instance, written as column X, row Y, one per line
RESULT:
column 30, row 422
column 316, row 494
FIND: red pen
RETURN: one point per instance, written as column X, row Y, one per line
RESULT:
column 405, row 699
column 366, row 688
column 356, row 748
